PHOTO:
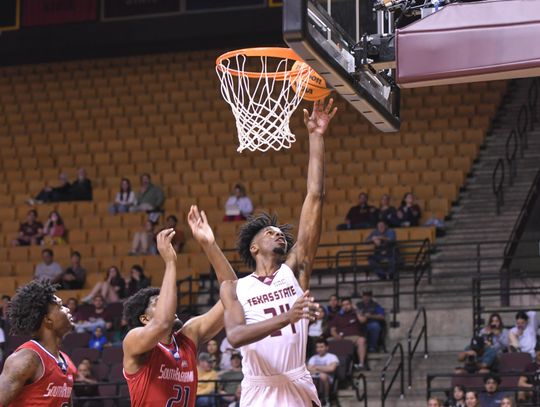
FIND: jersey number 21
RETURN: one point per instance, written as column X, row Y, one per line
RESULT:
column 182, row 395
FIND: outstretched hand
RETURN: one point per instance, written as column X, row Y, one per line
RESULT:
column 165, row 248
column 304, row 308
column 320, row 117
column 202, row 232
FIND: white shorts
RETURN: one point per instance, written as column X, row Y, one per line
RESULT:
column 294, row 388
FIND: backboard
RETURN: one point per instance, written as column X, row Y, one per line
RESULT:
column 325, row 34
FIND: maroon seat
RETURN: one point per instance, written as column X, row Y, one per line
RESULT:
column 76, row 340
column 341, row 347
column 509, row 381
column 78, row 354
column 514, row 362
column 468, row 381
column 112, row 356
column 115, row 309
column 101, row 371
column 116, row 374
column 108, row 390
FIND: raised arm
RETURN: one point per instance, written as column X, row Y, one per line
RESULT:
column 239, row 333
column 20, row 368
column 203, row 234
column 142, row 339
column 309, row 230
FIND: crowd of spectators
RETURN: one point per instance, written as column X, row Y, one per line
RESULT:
column 78, row 190
column 365, row 216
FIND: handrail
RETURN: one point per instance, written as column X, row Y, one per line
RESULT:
column 411, row 349
column 361, row 378
column 498, row 188
column 422, row 262
column 399, row 370
column 511, row 156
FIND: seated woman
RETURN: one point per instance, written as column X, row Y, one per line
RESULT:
column 125, row 198
column 409, row 212
column 136, row 281
column 112, row 288
column 144, row 242
column 30, row 232
column 457, row 398
column 387, row 212
column 54, row 231
column 238, row 206
column 495, row 334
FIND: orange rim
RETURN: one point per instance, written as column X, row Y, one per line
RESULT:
column 272, row 52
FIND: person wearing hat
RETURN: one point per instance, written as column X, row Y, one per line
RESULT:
column 207, row 381
column 491, row 396
column 374, row 313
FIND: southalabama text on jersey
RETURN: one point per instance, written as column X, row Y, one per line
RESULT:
column 175, row 374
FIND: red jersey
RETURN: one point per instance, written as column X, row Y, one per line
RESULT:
column 169, row 376
column 53, row 388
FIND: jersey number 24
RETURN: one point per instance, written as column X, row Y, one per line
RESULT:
column 274, row 312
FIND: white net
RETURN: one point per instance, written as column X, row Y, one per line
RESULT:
column 262, row 105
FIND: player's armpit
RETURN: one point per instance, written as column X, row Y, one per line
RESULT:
column 143, row 339
column 20, row 368
column 203, row 328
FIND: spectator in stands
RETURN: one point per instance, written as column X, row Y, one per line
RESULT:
column 523, row 335
column 112, row 288
column 81, row 188
column 231, row 378
column 120, row 333
column 124, row 200
column 96, row 316
column 361, row 216
column 508, row 402
column 374, row 314
column 53, row 194
column 179, row 238
column 54, row 231
column 98, row 340
column 333, row 308
column 48, row 270
column 434, row 402
column 136, row 281
column 73, row 306
column 383, row 260
column 409, row 212
column 4, row 313
column 315, row 332
column 205, row 372
column 387, row 212
column 144, row 241
column 491, row 396
column 227, row 351
column 349, row 324
column 471, row 399
column 323, row 365
column 150, row 197
column 495, row 334
column 238, row 206
column 212, row 348
column 478, row 357
column 86, row 385
column 457, row 398
column 74, row 277
column 532, row 379
column 30, row 232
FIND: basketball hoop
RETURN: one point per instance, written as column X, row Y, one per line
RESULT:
column 263, row 90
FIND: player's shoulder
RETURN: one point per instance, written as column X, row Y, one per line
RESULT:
column 24, row 360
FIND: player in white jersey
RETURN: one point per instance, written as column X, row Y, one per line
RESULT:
column 267, row 312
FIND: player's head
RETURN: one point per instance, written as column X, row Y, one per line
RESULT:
column 321, row 346
column 140, row 307
column 261, row 236
column 36, row 308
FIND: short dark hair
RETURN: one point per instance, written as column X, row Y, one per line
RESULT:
column 522, row 315
column 49, row 251
column 29, row 306
column 6, row 297
column 321, row 340
column 346, row 299
column 138, row 267
column 136, row 305
column 174, row 218
column 254, row 225
column 33, row 211
column 76, row 253
column 494, row 377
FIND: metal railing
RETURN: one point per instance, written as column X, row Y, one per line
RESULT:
column 411, row 348
column 422, row 264
column 360, row 387
column 517, row 140
column 385, row 389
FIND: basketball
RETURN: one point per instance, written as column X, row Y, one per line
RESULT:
column 315, row 87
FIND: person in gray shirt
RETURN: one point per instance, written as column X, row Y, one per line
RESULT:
column 48, row 270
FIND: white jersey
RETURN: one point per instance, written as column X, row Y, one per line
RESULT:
column 274, row 368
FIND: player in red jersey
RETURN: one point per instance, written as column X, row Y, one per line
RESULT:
column 38, row 374
column 160, row 355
